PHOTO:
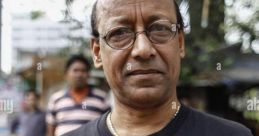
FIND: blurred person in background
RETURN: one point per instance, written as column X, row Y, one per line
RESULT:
column 31, row 122
column 78, row 103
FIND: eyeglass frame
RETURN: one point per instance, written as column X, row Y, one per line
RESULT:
column 177, row 27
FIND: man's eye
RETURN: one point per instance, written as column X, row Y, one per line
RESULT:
column 159, row 33
column 154, row 28
column 119, row 34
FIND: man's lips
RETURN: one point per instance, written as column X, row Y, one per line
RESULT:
column 144, row 72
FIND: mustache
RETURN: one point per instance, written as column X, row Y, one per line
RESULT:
column 135, row 69
column 144, row 71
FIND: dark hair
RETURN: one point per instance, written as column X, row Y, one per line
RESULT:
column 77, row 58
column 32, row 91
column 179, row 16
column 94, row 19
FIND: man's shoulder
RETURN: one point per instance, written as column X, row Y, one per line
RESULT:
column 215, row 125
column 57, row 95
column 92, row 128
column 98, row 92
column 88, row 129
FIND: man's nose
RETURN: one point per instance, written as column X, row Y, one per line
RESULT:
column 143, row 49
column 79, row 73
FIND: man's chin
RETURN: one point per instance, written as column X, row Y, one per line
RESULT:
column 146, row 97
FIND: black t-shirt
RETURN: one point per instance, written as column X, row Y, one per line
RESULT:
column 188, row 122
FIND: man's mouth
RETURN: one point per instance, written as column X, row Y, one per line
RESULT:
column 144, row 72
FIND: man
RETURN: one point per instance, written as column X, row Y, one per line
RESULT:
column 78, row 103
column 140, row 44
column 31, row 122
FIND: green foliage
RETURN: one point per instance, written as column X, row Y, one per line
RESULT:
column 37, row 14
column 245, row 26
column 202, row 42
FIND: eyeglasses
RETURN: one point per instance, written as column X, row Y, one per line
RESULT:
column 159, row 32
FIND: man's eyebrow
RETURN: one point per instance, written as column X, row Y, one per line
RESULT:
column 153, row 18
column 118, row 21
column 122, row 20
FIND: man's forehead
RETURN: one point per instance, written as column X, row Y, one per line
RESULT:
column 124, row 7
column 122, row 2
column 127, row 11
column 113, row 4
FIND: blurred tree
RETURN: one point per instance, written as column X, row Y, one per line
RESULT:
column 77, row 37
column 206, row 36
column 243, row 18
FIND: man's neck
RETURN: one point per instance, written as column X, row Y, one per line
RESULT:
column 32, row 109
column 131, row 122
column 79, row 90
column 79, row 94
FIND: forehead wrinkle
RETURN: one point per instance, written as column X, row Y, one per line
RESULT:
column 122, row 2
column 167, row 11
column 118, row 3
column 112, row 8
column 111, row 11
column 140, row 10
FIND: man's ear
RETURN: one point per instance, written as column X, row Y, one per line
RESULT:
column 181, row 44
column 95, row 49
